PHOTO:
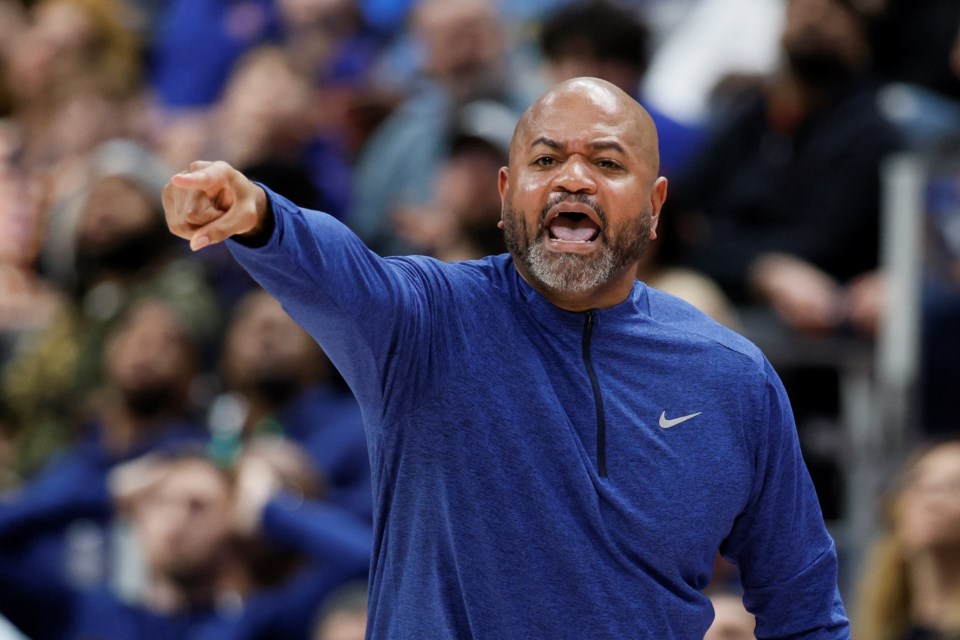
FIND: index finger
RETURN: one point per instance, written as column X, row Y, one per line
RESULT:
column 200, row 180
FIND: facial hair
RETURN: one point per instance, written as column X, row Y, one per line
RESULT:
column 574, row 272
column 819, row 68
column 152, row 401
column 277, row 388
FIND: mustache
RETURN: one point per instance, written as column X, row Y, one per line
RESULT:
column 578, row 198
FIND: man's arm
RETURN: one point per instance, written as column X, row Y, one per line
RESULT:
column 370, row 314
column 787, row 559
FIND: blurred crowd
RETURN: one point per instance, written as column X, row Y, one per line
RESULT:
column 179, row 459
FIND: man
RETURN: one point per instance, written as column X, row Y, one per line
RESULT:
column 558, row 450
column 284, row 385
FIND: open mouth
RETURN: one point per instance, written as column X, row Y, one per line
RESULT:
column 573, row 227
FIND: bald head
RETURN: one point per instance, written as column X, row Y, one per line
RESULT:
column 603, row 101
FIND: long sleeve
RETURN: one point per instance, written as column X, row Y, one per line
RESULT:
column 338, row 546
column 382, row 321
column 326, row 533
column 33, row 593
column 787, row 559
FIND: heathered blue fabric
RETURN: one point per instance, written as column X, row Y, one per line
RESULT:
column 490, row 517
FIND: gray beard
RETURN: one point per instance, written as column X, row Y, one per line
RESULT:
column 574, row 272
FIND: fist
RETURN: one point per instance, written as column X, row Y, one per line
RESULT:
column 212, row 201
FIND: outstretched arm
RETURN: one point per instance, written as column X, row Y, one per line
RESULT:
column 385, row 323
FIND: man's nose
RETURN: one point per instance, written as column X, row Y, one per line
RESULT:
column 575, row 176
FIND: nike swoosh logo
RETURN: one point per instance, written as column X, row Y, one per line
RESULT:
column 666, row 423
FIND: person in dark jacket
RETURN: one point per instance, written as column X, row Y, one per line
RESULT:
column 782, row 207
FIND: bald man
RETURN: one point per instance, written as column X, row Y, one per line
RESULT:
column 557, row 450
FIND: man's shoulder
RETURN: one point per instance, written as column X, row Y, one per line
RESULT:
column 682, row 321
column 483, row 273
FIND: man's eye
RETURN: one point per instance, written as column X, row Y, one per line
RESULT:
column 544, row 161
column 609, row 164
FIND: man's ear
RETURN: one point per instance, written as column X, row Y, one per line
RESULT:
column 657, row 197
column 503, row 184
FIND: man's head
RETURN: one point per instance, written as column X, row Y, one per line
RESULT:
column 596, row 39
column 150, row 360
column 184, row 521
column 464, row 46
column 581, row 196
column 824, row 40
column 267, row 353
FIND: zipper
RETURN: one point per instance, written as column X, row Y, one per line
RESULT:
column 597, row 397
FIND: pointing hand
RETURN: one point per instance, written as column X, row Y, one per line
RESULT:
column 212, row 201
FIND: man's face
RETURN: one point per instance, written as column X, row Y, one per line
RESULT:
column 184, row 524
column 150, row 358
column 928, row 510
column 581, row 196
column 265, row 344
column 823, row 39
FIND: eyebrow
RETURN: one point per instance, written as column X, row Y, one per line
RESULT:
column 553, row 144
column 601, row 145
column 604, row 145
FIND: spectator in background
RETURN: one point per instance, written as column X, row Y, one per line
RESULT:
column 281, row 382
column 911, row 587
column 460, row 223
column 599, row 39
column 150, row 360
column 465, row 59
column 120, row 253
column 267, row 123
column 76, row 59
column 782, row 206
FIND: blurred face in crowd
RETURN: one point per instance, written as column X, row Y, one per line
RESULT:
column 581, row 194
column 120, row 229
column 267, row 352
column 463, row 191
column 731, row 620
column 464, row 44
column 267, row 108
column 150, row 360
column 928, row 510
column 57, row 41
column 823, row 40
column 184, row 523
